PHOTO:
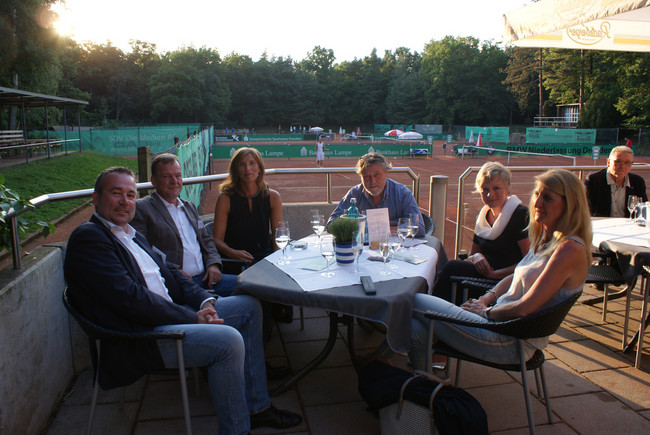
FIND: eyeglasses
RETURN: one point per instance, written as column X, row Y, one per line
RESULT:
column 623, row 162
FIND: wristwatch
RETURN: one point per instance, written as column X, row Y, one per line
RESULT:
column 487, row 312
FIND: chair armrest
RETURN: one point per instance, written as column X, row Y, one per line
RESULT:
column 540, row 324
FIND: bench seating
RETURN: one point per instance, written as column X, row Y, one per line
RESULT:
column 11, row 137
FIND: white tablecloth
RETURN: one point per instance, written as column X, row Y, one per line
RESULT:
column 621, row 230
column 310, row 280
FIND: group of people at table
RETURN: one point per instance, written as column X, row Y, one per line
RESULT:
column 150, row 263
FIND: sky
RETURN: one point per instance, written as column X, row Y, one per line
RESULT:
column 287, row 28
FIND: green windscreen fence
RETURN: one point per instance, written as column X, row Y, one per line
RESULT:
column 126, row 140
column 194, row 157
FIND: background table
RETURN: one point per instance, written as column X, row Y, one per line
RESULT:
column 630, row 244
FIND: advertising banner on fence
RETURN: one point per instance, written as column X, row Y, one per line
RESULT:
column 561, row 135
column 334, row 150
column 124, row 141
column 489, row 134
column 258, row 137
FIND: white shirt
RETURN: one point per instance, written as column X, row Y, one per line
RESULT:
column 618, row 196
column 192, row 257
column 148, row 267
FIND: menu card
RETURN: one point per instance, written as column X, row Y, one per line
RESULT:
column 378, row 224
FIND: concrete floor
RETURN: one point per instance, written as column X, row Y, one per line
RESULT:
column 594, row 387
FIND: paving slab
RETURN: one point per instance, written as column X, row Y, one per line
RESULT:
column 599, row 413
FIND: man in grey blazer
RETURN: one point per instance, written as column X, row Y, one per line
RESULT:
column 173, row 227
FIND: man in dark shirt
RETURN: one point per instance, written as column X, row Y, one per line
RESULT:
column 608, row 190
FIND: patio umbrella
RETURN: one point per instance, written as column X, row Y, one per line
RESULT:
column 315, row 130
column 621, row 25
column 395, row 132
column 410, row 135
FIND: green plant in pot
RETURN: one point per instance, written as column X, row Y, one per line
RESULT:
column 343, row 228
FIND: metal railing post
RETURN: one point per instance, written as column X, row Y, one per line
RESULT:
column 329, row 187
column 438, row 203
column 15, row 251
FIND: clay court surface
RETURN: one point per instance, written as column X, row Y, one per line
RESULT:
column 312, row 187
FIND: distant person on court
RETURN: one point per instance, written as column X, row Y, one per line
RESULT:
column 378, row 191
column 173, row 226
column 609, row 189
column 628, row 143
column 500, row 235
column 119, row 282
column 320, row 152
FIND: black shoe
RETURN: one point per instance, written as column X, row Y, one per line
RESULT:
column 277, row 373
column 275, row 418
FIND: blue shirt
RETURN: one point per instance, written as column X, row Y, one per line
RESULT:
column 397, row 198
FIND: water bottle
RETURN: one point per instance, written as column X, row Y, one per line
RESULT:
column 353, row 211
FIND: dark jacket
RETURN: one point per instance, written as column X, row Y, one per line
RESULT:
column 152, row 219
column 107, row 286
column 599, row 193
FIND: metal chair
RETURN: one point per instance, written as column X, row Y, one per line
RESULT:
column 540, row 324
column 98, row 333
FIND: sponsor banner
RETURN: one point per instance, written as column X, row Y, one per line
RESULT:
column 125, row 141
column 489, row 134
column 425, row 129
column 333, row 150
column 564, row 149
column 259, row 137
column 561, row 135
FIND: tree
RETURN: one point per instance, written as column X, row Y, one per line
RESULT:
column 463, row 83
column 634, row 78
column 523, row 80
column 405, row 102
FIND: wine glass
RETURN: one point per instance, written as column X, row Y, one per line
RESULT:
column 282, row 239
column 403, row 229
column 384, row 249
column 327, row 251
column 632, row 202
column 415, row 224
column 395, row 244
column 318, row 224
column 357, row 247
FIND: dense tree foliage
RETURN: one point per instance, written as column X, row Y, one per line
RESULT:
column 456, row 80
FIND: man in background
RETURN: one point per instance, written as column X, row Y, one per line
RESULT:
column 378, row 191
column 609, row 189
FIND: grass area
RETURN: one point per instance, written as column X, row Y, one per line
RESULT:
column 59, row 174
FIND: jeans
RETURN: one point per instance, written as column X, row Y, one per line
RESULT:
column 479, row 343
column 223, row 288
column 234, row 356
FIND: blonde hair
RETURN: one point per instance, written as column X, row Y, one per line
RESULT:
column 230, row 184
column 491, row 171
column 575, row 221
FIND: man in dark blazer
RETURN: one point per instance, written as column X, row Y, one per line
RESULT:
column 173, row 226
column 117, row 281
column 609, row 189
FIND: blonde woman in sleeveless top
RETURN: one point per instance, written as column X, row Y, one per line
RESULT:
column 554, row 269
